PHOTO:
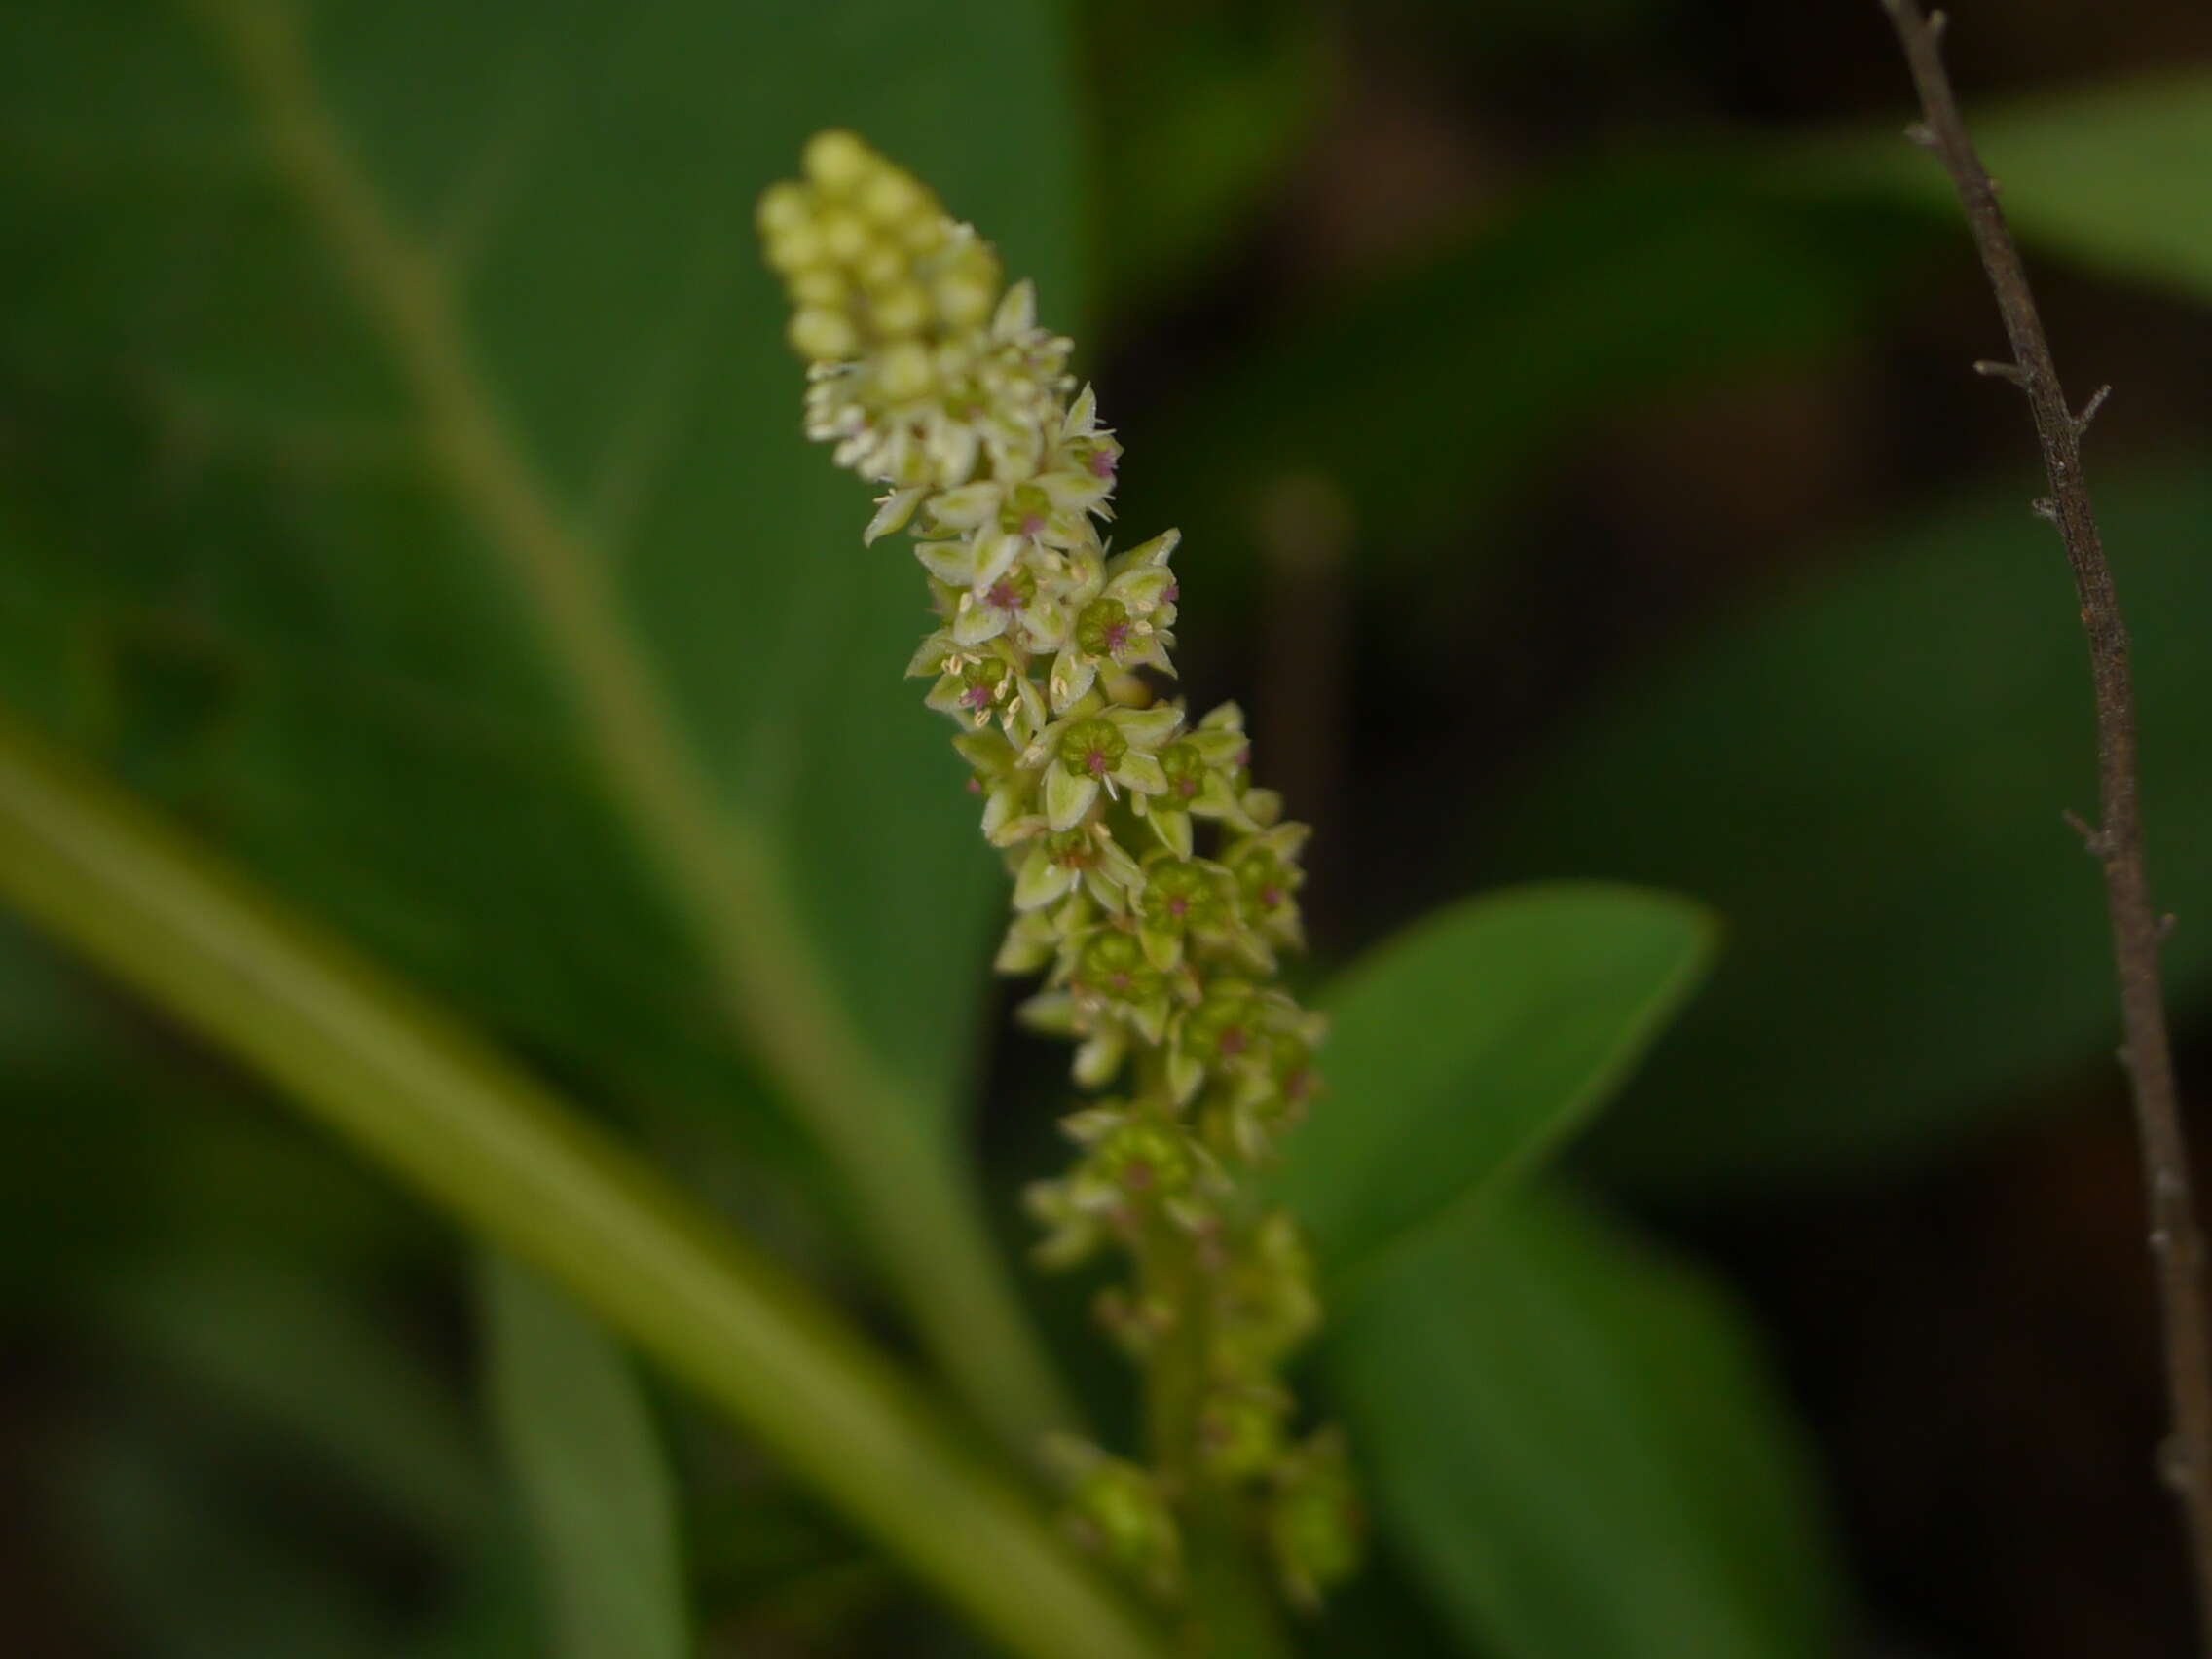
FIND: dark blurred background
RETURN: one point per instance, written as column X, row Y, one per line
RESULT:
column 1567, row 406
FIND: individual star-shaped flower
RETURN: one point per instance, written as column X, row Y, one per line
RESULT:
column 1182, row 899
column 1269, row 877
column 1205, row 771
column 1086, row 447
column 1123, row 624
column 1097, row 748
column 974, row 684
column 1229, row 1037
column 1053, row 864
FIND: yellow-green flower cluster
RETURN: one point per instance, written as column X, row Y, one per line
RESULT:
column 1153, row 884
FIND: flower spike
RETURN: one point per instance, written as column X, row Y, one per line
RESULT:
column 1153, row 884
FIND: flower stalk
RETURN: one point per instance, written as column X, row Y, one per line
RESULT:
column 1153, row 884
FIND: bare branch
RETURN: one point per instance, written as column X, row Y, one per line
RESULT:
column 2090, row 409
column 2177, row 1243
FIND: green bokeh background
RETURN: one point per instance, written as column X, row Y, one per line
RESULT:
column 1567, row 408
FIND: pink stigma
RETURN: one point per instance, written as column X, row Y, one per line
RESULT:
column 1102, row 464
column 1117, row 635
column 1177, row 906
column 1186, row 786
column 1174, row 592
column 976, row 697
column 1005, row 594
column 1096, row 761
column 1270, row 897
column 1233, row 1040
column 1033, row 524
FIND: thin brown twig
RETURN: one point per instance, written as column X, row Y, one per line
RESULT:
column 2177, row 1244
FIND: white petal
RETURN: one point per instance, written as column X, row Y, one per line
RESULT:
column 1099, row 1059
column 1083, row 414
column 1042, row 879
column 1045, row 625
column 891, row 513
column 1067, row 797
column 952, row 562
column 1027, row 946
column 1073, row 673
column 1017, row 312
column 955, row 451
column 1139, row 771
column 975, row 623
column 967, row 507
column 930, row 657
column 995, row 555
column 1006, row 800
column 1148, row 728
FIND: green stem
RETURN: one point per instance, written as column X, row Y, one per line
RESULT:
column 912, row 1191
column 1230, row 1612
column 421, row 1095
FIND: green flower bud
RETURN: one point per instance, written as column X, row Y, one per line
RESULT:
column 837, row 161
column 1112, row 966
column 1091, row 749
column 824, row 336
column 820, row 287
column 1104, row 627
column 1313, row 1519
column 1145, row 1160
column 1241, row 1430
column 1182, row 897
column 844, row 235
column 894, row 196
column 795, row 247
column 902, row 309
column 903, row 370
column 1117, row 1510
column 1186, row 770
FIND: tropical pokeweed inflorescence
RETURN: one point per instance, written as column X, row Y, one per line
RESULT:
column 1153, row 884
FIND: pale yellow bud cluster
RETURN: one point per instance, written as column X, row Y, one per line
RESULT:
column 874, row 268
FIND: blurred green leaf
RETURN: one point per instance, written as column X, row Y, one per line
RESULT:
column 582, row 1446
column 1425, row 393
column 1570, row 1439
column 2094, row 174
column 298, row 1356
column 1466, row 1047
column 1200, row 109
column 198, row 407
column 1867, row 781
column 443, row 390
column 186, row 1567
column 419, row 1094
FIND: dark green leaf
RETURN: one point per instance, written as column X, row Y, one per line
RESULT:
column 1200, row 109
column 583, row 1449
column 1867, row 781
column 1467, row 1046
column 303, row 1360
column 1570, row 1439
column 247, row 511
column 2093, row 174
column 188, row 1568
column 1425, row 393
